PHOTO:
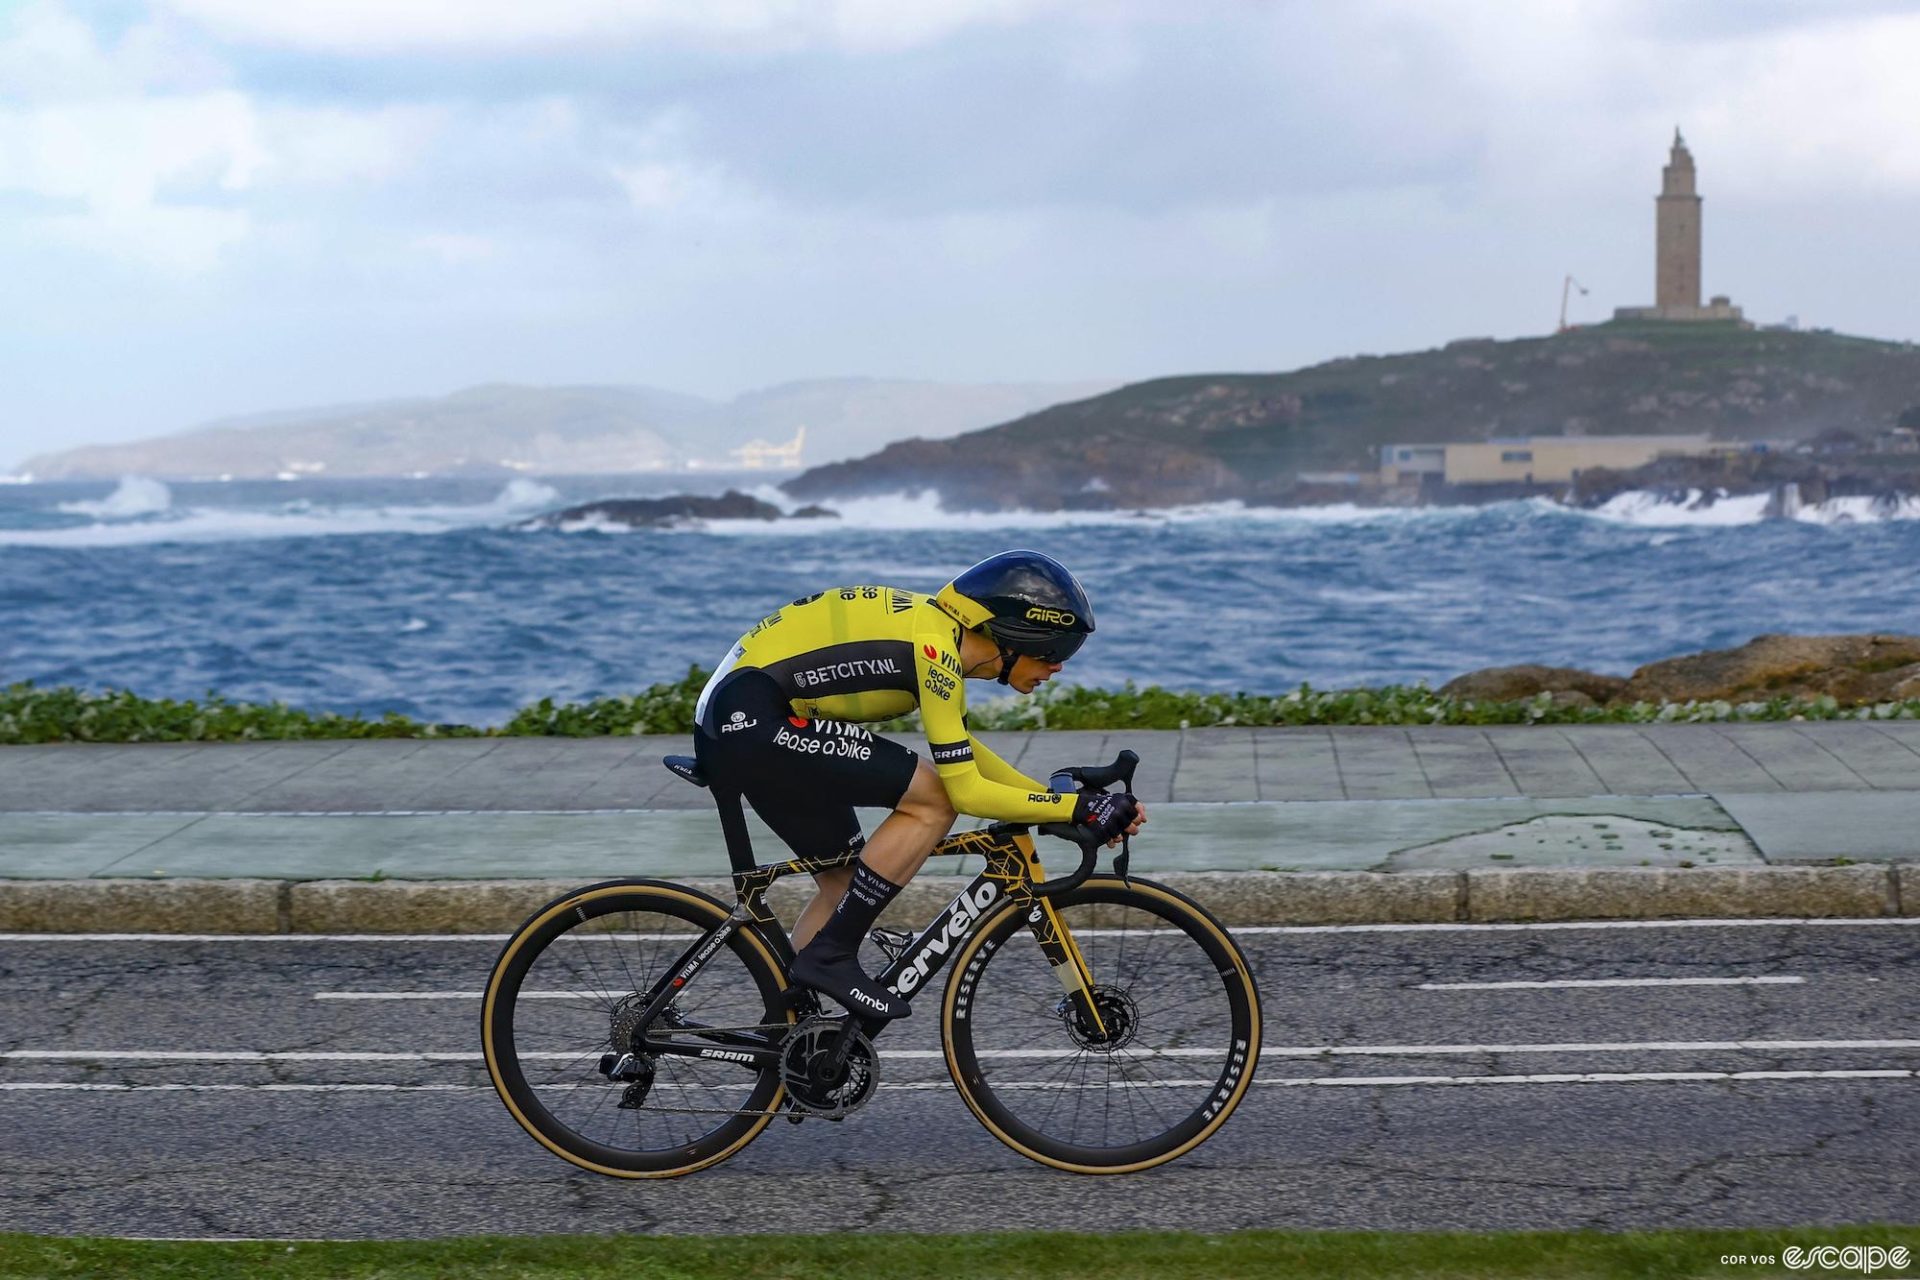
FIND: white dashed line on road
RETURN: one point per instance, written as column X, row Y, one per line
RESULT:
column 1557, row 984
column 1248, row 930
column 1269, row 1051
column 1592, row 1077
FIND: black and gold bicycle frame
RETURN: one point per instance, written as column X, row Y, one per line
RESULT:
column 1011, row 873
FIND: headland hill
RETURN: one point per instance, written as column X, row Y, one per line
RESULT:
column 1709, row 407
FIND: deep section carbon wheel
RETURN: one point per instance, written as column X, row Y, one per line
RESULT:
column 564, row 1048
column 1170, row 1057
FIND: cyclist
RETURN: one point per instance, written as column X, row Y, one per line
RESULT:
column 780, row 720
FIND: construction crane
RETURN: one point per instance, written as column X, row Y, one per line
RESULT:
column 1566, row 289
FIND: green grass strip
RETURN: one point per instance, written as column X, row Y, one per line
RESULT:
column 1015, row 1256
column 31, row 714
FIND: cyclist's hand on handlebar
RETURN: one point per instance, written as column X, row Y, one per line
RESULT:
column 1108, row 815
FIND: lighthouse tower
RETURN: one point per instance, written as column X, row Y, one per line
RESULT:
column 1676, row 249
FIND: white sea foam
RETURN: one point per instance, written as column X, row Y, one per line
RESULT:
column 142, row 510
column 525, row 495
column 1698, row 509
column 922, row 510
column 135, row 496
column 118, row 523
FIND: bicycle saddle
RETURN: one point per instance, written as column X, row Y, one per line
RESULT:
column 687, row 767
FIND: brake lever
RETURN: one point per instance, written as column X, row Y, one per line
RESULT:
column 1122, row 859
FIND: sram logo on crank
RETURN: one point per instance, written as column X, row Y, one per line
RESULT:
column 958, row 920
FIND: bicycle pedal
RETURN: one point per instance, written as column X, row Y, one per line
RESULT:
column 892, row 942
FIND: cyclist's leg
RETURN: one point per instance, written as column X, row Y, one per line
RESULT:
column 804, row 778
column 896, row 851
column 919, row 821
column 830, row 887
column 830, row 960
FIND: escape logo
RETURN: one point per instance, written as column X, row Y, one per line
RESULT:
column 1861, row 1259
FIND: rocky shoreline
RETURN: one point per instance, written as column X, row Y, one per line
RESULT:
column 1853, row 670
column 674, row 511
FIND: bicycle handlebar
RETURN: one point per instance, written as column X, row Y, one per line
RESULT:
column 1090, row 779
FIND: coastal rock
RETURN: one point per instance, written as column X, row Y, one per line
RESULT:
column 668, row 512
column 1790, row 481
column 1851, row 669
column 1512, row 684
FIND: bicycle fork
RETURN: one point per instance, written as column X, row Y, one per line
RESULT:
column 1063, row 953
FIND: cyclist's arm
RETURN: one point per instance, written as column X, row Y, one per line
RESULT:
column 994, row 769
column 977, row 781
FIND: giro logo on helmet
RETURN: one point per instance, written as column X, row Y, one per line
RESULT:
column 1058, row 617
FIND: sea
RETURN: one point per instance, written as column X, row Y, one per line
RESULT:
column 421, row 596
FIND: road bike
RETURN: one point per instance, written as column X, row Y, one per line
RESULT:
column 1094, row 1023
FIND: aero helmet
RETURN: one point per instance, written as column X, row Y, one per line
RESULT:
column 1027, row 602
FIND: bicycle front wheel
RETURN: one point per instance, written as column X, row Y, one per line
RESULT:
column 568, row 991
column 1176, row 1049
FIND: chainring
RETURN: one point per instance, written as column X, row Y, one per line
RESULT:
column 813, row 1083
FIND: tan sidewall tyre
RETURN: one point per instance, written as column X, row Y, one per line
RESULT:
column 1236, row 1077
column 670, row 899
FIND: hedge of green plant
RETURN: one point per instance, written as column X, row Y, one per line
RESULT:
column 30, row 714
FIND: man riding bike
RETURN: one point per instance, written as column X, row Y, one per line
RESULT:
column 780, row 720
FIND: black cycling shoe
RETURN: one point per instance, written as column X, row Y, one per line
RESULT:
column 840, row 976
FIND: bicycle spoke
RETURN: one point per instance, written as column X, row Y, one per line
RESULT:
column 667, row 1101
column 1144, row 1076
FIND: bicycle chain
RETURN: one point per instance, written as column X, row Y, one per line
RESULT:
column 717, row 1111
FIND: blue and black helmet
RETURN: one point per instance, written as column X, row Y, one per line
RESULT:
column 1027, row 601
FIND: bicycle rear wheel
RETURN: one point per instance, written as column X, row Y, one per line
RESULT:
column 568, row 988
column 1179, row 1048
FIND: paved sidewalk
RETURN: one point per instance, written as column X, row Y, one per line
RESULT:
column 1267, row 826
column 1276, row 800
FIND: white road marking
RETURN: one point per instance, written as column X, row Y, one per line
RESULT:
column 1551, row 983
column 1591, row 1077
column 327, row 813
column 454, row 995
column 1782, row 980
column 1270, row 1051
column 1244, row 930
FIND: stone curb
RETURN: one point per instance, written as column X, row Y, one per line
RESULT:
column 1236, row 897
column 142, row 906
column 1654, row 893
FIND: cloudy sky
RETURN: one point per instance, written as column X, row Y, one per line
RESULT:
column 211, row 207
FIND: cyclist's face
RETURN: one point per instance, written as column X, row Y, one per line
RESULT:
column 1030, row 673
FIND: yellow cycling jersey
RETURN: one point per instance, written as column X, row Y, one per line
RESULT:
column 871, row 653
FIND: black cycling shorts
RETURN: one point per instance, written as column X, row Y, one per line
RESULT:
column 803, row 777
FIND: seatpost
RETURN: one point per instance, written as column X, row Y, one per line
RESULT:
column 733, row 826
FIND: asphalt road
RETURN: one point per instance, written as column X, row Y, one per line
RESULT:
column 108, row 1124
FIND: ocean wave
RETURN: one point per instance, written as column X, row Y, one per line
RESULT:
column 120, row 523
column 921, row 511
column 1700, row 509
column 135, row 496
